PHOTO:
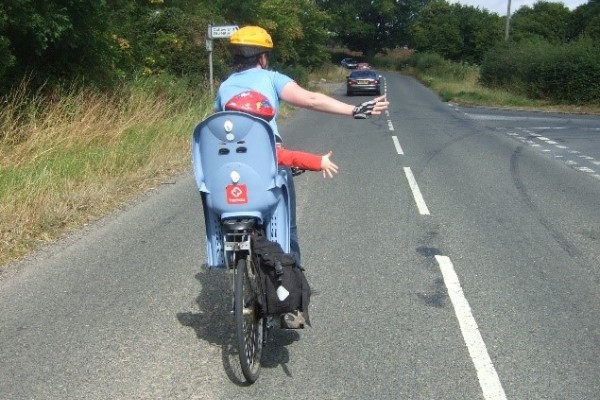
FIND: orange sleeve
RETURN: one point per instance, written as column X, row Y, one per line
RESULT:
column 298, row 159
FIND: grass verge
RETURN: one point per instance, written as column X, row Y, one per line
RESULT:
column 460, row 84
column 69, row 158
column 72, row 157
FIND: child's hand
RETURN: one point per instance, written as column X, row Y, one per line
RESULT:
column 327, row 166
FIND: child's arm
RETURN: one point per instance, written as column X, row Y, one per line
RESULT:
column 298, row 159
column 307, row 161
column 327, row 166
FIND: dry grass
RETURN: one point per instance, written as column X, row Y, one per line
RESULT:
column 71, row 158
column 329, row 74
column 469, row 92
column 398, row 55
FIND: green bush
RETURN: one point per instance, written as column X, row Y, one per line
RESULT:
column 384, row 63
column 424, row 62
column 434, row 64
column 568, row 73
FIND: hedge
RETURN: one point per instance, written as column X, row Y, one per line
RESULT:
column 568, row 73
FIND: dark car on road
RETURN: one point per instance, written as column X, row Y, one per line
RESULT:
column 363, row 81
column 349, row 63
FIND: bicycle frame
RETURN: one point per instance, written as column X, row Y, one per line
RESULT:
column 238, row 245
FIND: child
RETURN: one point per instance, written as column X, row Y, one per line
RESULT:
column 258, row 105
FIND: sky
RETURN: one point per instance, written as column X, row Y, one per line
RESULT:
column 500, row 6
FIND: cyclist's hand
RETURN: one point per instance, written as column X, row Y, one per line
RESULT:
column 327, row 166
column 372, row 107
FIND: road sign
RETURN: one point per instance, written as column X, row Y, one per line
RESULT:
column 223, row 31
column 217, row 32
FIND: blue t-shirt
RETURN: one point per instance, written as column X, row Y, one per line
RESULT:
column 269, row 83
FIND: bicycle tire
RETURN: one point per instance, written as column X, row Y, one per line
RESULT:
column 249, row 324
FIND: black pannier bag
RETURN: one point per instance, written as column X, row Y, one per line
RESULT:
column 284, row 283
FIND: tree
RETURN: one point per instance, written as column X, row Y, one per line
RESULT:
column 456, row 32
column 298, row 27
column 371, row 26
column 7, row 58
column 158, row 39
column 480, row 30
column 545, row 20
column 54, row 40
column 437, row 30
column 585, row 21
column 101, row 42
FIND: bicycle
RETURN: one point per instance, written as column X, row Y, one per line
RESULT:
column 244, row 194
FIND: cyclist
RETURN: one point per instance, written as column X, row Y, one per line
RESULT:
column 251, row 46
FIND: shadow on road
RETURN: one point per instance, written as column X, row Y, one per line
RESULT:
column 214, row 323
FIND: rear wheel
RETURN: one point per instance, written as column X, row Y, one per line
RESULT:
column 249, row 323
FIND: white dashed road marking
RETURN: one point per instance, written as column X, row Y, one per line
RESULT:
column 423, row 210
column 486, row 373
column 397, row 145
column 547, row 145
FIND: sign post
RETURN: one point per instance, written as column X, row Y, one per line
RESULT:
column 216, row 32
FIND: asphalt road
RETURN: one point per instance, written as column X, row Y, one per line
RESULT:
column 456, row 256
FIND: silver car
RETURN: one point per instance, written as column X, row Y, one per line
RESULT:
column 349, row 63
column 363, row 81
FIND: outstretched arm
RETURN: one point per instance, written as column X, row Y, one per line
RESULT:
column 307, row 161
column 298, row 159
column 298, row 96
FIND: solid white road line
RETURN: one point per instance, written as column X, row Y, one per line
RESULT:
column 486, row 373
column 423, row 210
column 397, row 145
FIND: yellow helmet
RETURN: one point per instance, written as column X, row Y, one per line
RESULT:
column 251, row 40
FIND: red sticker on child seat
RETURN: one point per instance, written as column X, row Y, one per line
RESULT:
column 237, row 194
